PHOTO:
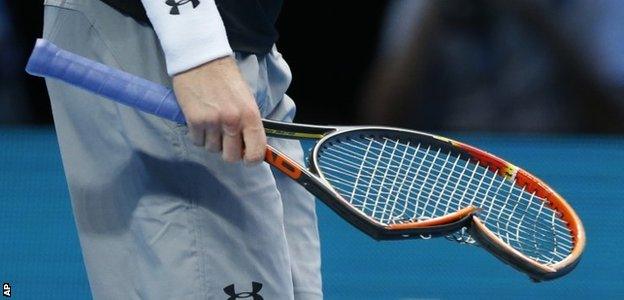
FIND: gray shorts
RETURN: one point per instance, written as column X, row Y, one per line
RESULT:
column 159, row 218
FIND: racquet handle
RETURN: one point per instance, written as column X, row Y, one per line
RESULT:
column 48, row 60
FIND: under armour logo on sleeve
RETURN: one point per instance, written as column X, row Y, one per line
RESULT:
column 176, row 3
column 255, row 288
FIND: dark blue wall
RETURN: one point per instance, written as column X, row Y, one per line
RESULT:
column 40, row 255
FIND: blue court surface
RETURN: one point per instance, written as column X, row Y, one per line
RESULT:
column 40, row 255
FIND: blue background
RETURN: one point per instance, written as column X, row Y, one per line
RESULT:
column 40, row 254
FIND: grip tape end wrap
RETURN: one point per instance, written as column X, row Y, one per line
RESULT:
column 48, row 60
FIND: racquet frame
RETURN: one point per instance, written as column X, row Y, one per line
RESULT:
column 50, row 61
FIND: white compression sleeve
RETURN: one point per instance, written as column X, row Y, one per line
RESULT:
column 193, row 36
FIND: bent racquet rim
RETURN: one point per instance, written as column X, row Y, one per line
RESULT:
column 486, row 238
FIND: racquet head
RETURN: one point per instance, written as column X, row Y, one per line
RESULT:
column 401, row 179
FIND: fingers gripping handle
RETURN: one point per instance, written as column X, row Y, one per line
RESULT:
column 48, row 60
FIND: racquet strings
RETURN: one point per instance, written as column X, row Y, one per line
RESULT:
column 396, row 181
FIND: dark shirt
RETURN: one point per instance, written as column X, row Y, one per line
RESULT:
column 250, row 24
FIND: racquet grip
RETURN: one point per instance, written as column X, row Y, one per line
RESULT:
column 48, row 60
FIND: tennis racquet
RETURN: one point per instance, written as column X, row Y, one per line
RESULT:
column 390, row 183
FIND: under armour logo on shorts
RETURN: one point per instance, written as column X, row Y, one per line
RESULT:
column 176, row 3
column 255, row 288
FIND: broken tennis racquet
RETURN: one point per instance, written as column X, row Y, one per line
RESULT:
column 390, row 183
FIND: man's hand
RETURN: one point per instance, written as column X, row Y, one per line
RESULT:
column 220, row 110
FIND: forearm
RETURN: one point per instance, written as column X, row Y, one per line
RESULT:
column 192, row 37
